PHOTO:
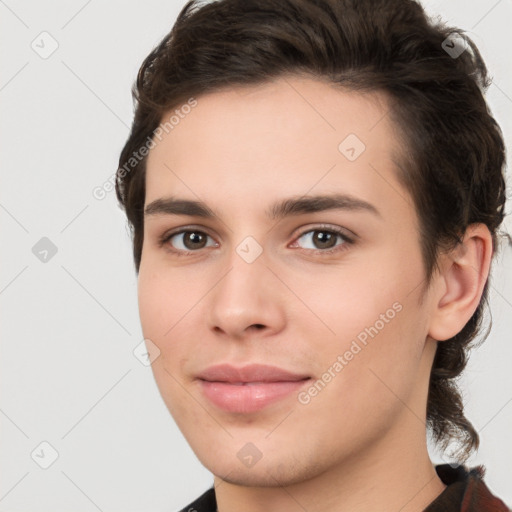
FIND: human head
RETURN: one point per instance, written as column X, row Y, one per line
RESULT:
column 452, row 155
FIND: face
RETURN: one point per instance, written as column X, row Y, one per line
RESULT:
column 326, row 292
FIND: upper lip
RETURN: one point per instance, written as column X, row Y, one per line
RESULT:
column 249, row 373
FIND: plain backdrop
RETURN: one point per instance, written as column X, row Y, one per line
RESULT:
column 73, row 395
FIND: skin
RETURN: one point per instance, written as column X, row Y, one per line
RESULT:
column 360, row 443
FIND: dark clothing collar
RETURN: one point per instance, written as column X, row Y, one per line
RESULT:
column 465, row 491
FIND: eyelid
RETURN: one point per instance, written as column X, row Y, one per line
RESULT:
column 346, row 233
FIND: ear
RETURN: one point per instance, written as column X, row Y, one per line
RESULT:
column 460, row 282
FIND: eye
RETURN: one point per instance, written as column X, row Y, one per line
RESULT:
column 325, row 239
column 191, row 240
column 187, row 241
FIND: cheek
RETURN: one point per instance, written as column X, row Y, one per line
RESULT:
column 377, row 329
column 349, row 303
column 169, row 302
column 362, row 387
column 160, row 310
column 150, row 303
column 161, row 298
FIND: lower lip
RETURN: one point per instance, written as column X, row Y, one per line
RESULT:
column 248, row 398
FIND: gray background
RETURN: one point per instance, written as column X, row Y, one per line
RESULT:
column 70, row 324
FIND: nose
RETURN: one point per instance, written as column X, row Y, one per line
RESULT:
column 247, row 299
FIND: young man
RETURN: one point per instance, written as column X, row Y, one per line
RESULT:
column 314, row 188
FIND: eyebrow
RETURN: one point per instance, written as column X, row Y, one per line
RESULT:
column 284, row 208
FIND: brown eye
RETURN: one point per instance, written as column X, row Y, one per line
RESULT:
column 194, row 240
column 324, row 240
column 186, row 241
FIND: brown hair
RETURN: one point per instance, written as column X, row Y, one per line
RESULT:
column 453, row 157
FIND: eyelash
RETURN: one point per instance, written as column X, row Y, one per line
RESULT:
column 347, row 241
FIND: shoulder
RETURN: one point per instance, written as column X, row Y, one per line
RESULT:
column 478, row 496
column 466, row 491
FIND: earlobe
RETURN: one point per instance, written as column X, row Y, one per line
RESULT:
column 460, row 283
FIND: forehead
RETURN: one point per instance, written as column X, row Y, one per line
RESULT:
column 291, row 135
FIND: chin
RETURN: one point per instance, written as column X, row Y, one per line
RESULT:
column 263, row 474
column 247, row 478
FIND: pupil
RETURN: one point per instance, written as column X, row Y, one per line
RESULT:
column 194, row 238
column 325, row 238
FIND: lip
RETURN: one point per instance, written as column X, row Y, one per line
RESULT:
column 249, row 388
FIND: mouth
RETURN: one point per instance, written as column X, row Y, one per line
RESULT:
column 250, row 388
